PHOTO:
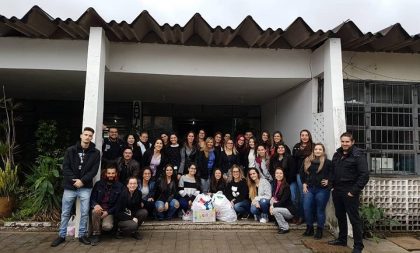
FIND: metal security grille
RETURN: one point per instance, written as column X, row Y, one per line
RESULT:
column 384, row 119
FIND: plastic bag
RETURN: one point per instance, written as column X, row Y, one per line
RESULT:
column 71, row 226
column 187, row 216
column 224, row 209
column 202, row 202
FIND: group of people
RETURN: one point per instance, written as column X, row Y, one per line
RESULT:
column 261, row 177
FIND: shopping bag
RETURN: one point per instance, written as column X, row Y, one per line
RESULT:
column 224, row 209
column 71, row 226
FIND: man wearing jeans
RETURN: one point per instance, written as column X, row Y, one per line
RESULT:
column 80, row 165
column 349, row 177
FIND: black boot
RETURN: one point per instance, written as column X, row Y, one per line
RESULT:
column 309, row 231
column 318, row 234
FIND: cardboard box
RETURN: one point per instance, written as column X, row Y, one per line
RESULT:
column 204, row 215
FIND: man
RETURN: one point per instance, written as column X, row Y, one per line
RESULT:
column 350, row 175
column 248, row 135
column 127, row 166
column 104, row 201
column 112, row 147
column 80, row 165
column 144, row 143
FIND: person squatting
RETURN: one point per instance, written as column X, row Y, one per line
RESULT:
column 262, row 178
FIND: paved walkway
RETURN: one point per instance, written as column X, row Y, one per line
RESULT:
column 179, row 241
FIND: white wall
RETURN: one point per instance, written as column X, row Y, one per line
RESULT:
column 381, row 66
column 292, row 113
column 208, row 61
column 24, row 53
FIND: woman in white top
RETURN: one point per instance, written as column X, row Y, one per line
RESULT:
column 262, row 162
column 260, row 195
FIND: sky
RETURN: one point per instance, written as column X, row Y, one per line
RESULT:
column 368, row 15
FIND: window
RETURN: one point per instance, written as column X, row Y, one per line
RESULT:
column 380, row 116
column 320, row 104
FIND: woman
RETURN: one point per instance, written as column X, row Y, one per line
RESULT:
column 131, row 141
column 166, row 193
column 229, row 156
column 285, row 161
column 207, row 160
column 188, row 153
column 266, row 140
column 165, row 139
column 237, row 192
column 260, row 195
column 226, row 137
column 277, row 139
column 147, row 189
column 316, row 193
column 155, row 159
column 217, row 182
column 242, row 150
column 201, row 138
column 130, row 215
column 218, row 143
column 251, row 155
column 262, row 162
column 281, row 207
column 189, row 188
column 301, row 150
column 173, row 152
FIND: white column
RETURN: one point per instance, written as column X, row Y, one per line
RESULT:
column 334, row 112
column 93, row 110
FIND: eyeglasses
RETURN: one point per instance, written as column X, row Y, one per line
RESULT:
column 235, row 171
column 230, row 143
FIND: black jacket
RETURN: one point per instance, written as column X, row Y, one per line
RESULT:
column 98, row 193
column 173, row 155
column 186, row 159
column 88, row 168
column 312, row 178
column 128, row 205
column 125, row 171
column 288, row 166
column 202, row 161
column 283, row 197
column 147, row 158
column 300, row 155
column 111, row 150
column 227, row 161
column 350, row 172
column 166, row 193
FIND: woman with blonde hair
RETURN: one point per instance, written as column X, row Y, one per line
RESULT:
column 207, row 160
column 229, row 156
column 237, row 192
column 315, row 177
column 260, row 195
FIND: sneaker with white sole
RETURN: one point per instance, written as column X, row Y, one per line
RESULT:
column 263, row 220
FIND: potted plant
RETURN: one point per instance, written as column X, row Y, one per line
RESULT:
column 9, row 185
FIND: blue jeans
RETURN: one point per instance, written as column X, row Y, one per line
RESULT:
column 299, row 198
column 69, row 197
column 160, row 207
column 263, row 210
column 205, row 185
column 242, row 207
column 183, row 203
column 315, row 199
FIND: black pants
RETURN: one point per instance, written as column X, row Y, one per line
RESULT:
column 345, row 204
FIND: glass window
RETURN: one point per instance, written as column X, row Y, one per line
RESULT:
column 391, row 94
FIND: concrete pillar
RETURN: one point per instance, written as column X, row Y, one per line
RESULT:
column 334, row 111
column 326, row 63
column 93, row 110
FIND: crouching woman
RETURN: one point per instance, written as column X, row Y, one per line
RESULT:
column 130, row 216
column 281, row 207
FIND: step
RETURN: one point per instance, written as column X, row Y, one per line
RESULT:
column 179, row 224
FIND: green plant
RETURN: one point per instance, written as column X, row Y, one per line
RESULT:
column 43, row 196
column 47, row 143
column 9, row 180
column 373, row 218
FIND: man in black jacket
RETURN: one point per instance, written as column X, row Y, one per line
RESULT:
column 349, row 177
column 104, row 202
column 112, row 148
column 80, row 165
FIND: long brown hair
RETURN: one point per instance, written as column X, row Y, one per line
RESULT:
column 309, row 159
column 252, row 186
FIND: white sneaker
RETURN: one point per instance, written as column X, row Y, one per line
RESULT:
column 263, row 220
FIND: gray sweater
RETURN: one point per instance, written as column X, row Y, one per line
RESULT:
column 264, row 190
